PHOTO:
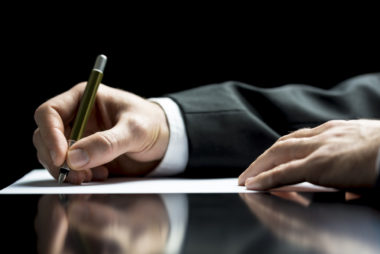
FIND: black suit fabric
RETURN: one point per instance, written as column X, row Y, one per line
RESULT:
column 228, row 125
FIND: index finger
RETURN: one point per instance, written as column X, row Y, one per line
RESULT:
column 289, row 173
column 51, row 118
column 281, row 152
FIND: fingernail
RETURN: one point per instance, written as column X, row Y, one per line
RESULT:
column 77, row 158
column 250, row 183
column 241, row 181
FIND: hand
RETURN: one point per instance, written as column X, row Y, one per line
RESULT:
column 110, row 223
column 314, row 227
column 119, row 224
column 51, row 225
column 339, row 154
column 125, row 135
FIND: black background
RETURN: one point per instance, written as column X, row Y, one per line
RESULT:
column 153, row 53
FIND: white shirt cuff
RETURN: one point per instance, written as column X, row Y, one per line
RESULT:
column 177, row 153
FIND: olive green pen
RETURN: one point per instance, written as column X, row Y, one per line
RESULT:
column 85, row 108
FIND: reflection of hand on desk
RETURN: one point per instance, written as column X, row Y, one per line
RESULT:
column 107, row 223
column 51, row 225
column 322, row 227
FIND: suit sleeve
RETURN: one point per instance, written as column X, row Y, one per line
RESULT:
column 228, row 125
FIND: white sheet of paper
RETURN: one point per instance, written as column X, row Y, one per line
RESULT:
column 39, row 181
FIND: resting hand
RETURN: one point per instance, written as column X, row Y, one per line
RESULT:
column 125, row 135
column 340, row 154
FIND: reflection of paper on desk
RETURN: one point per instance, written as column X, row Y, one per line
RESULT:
column 41, row 182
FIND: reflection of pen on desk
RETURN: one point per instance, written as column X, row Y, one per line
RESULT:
column 85, row 108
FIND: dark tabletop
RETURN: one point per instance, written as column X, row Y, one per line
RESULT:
column 282, row 222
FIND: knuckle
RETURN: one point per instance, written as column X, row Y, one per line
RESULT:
column 334, row 123
column 287, row 167
column 320, row 156
column 80, row 85
column 280, row 168
column 278, row 147
column 275, row 174
column 301, row 131
column 274, row 177
column 274, row 149
column 137, row 128
column 304, row 142
column 283, row 145
column 329, row 124
column 270, row 179
column 40, row 111
column 35, row 137
column 292, row 141
column 108, row 140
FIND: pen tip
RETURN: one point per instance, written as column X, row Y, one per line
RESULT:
column 100, row 63
column 61, row 178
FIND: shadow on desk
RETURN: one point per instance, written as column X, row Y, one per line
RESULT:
column 53, row 183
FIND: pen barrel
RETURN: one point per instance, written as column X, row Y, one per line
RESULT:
column 86, row 105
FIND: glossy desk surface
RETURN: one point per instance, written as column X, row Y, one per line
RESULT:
column 282, row 222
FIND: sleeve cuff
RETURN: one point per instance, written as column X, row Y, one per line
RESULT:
column 177, row 153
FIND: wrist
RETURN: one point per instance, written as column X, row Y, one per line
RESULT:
column 162, row 142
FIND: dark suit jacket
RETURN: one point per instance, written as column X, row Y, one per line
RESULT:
column 230, row 124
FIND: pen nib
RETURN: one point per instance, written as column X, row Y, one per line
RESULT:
column 63, row 172
column 61, row 178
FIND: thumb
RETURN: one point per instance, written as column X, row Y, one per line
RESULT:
column 98, row 149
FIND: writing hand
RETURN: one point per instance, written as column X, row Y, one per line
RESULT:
column 125, row 135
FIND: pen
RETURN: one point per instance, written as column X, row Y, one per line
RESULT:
column 85, row 108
